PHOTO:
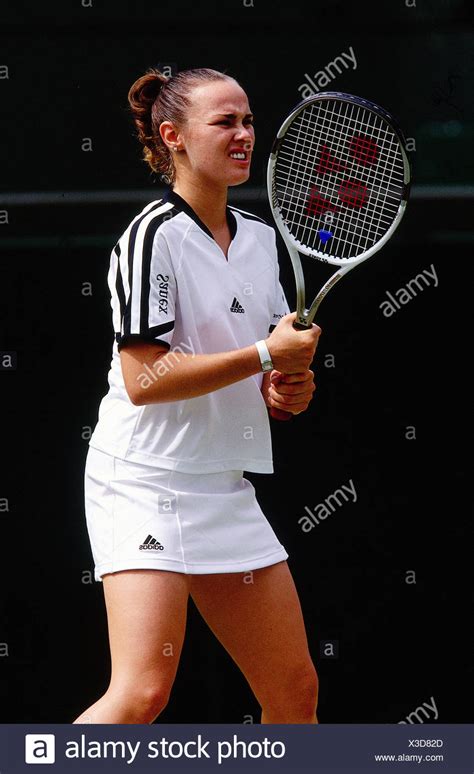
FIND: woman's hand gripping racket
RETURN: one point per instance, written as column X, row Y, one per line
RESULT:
column 338, row 180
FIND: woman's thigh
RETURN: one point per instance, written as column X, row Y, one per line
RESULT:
column 257, row 617
column 146, row 617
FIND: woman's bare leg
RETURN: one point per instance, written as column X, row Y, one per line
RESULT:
column 146, row 616
column 257, row 617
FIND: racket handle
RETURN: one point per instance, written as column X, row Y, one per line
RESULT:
column 301, row 327
column 280, row 414
column 276, row 413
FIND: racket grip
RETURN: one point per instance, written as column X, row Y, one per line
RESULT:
column 276, row 413
column 280, row 414
column 301, row 327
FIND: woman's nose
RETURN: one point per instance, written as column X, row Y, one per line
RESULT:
column 246, row 135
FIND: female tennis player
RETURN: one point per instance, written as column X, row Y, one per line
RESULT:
column 203, row 336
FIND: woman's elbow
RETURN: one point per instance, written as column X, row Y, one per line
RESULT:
column 135, row 397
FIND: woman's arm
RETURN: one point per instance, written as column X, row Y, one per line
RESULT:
column 153, row 374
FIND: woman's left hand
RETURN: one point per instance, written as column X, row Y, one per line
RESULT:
column 291, row 392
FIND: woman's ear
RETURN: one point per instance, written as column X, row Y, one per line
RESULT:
column 168, row 134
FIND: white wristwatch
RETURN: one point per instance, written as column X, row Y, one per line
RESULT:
column 265, row 357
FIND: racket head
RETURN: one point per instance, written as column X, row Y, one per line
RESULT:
column 338, row 178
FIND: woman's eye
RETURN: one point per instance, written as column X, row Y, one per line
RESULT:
column 249, row 122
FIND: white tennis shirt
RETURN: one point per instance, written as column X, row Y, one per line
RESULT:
column 171, row 283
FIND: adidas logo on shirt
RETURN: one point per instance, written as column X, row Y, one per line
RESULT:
column 236, row 307
column 151, row 543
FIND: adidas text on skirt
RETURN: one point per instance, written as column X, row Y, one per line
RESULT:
column 140, row 516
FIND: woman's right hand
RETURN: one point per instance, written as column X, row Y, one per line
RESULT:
column 292, row 350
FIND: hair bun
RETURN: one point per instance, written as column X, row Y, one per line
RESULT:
column 154, row 83
column 145, row 90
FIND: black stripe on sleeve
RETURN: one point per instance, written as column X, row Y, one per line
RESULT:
column 150, row 336
column 146, row 263
column 145, row 266
column 119, row 282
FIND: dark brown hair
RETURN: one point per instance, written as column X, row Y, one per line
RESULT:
column 155, row 98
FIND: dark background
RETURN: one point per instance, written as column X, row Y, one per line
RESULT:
column 397, row 644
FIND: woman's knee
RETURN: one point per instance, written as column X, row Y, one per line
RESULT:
column 155, row 696
column 296, row 691
column 144, row 699
column 303, row 685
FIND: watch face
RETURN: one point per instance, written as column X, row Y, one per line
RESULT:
column 267, row 365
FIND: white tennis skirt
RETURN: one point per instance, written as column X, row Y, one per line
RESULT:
column 140, row 516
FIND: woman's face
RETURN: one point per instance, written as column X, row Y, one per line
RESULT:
column 219, row 123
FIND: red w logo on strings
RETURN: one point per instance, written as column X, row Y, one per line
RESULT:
column 328, row 163
column 351, row 192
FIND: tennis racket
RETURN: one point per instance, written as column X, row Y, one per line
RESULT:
column 338, row 180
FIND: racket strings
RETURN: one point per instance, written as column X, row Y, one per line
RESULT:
column 366, row 230
column 390, row 191
column 375, row 136
column 323, row 204
column 386, row 178
column 339, row 168
column 337, row 135
column 393, row 185
column 346, row 156
column 349, row 221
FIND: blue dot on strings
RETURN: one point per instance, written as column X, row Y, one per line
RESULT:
column 325, row 235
